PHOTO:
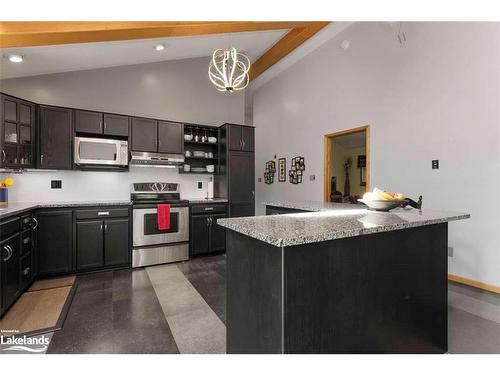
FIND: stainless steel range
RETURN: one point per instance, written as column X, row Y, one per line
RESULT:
column 150, row 244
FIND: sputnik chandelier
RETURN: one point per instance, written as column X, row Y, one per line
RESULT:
column 228, row 70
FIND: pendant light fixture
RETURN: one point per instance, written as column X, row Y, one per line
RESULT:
column 228, row 70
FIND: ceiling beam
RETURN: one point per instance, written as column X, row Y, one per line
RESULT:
column 283, row 47
column 26, row 34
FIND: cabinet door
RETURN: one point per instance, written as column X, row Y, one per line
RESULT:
column 247, row 138
column 144, row 135
column 10, row 269
column 200, row 226
column 89, row 244
column 170, row 137
column 55, row 138
column 88, row 122
column 241, row 176
column 55, row 242
column 116, row 242
column 217, row 234
column 241, row 209
column 116, row 125
column 234, row 137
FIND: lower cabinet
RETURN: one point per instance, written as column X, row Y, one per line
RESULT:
column 102, row 242
column 206, row 236
column 55, row 242
column 10, row 249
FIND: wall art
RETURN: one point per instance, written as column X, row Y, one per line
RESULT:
column 269, row 172
column 297, row 168
column 282, row 169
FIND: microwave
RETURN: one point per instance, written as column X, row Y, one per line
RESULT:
column 101, row 151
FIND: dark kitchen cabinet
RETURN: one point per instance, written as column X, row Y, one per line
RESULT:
column 116, row 242
column 88, row 122
column 206, row 236
column 116, row 125
column 89, row 244
column 240, row 138
column 9, row 250
column 55, row 138
column 55, row 242
column 17, row 133
column 170, row 137
column 236, row 177
column 144, row 135
column 102, row 242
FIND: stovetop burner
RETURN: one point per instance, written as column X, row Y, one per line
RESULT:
column 156, row 192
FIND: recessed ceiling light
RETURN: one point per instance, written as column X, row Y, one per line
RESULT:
column 160, row 47
column 15, row 58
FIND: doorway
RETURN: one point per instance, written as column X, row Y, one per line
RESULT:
column 346, row 173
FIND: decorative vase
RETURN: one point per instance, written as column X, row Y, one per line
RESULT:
column 4, row 197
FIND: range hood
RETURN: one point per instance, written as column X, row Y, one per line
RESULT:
column 153, row 158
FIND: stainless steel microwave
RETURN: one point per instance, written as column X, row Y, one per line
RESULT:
column 101, row 151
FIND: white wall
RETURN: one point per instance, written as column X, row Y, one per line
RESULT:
column 174, row 90
column 435, row 97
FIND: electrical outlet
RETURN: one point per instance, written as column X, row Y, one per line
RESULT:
column 200, row 185
column 56, row 184
column 312, row 177
column 450, row 251
column 435, row 164
column 260, row 179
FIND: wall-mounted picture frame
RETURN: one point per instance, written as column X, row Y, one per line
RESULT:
column 269, row 172
column 282, row 169
column 297, row 167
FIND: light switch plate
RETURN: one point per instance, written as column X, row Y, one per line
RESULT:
column 200, row 185
column 435, row 164
column 56, row 184
column 312, row 177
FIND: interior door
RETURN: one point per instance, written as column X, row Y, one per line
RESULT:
column 144, row 135
column 88, row 122
column 170, row 137
column 89, row 244
column 116, row 125
column 116, row 242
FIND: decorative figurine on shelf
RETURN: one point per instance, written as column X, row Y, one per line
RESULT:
column 269, row 172
column 298, row 166
column 347, row 185
column 4, row 191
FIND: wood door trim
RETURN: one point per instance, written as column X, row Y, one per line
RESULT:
column 474, row 283
column 326, row 156
column 284, row 46
column 26, row 34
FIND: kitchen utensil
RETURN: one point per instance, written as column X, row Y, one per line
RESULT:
column 196, row 138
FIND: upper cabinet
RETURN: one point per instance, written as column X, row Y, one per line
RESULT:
column 240, row 138
column 55, row 138
column 116, row 125
column 157, row 136
column 88, row 122
column 97, row 123
column 144, row 135
column 17, row 133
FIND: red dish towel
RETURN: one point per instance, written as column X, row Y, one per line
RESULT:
column 163, row 216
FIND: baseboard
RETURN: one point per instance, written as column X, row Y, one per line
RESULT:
column 474, row 283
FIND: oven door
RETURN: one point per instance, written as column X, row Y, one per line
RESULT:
column 97, row 151
column 145, row 226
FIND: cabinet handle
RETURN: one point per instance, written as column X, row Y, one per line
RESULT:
column 208, row 221
column 36, row 223
column 241, row 144
column 209, row 208
column 253, row 194
column 103, row 213
column 104, row 125
column 41, row 159
column 26, row 270
column 105, row 227
column 243, row 141
column 26, row 240
column 9, row 252
column 101, row 227
column 4, row 156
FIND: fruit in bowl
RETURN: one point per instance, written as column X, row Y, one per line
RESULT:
column 381, row 195
column 9, row 181
column 380, row 200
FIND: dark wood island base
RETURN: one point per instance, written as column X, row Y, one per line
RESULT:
column 376, row 293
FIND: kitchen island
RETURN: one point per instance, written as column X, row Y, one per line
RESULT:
column 337, row 279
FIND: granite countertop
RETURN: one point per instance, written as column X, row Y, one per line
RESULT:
column 331, row 222
column 313, row 205
column 16, row 208
column 207, row 200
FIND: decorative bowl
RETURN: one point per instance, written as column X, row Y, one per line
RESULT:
column 212, row 140
column 188, row 137
column 210, row 168
column 379, row 205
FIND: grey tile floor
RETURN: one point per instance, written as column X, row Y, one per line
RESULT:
column 180, row 308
